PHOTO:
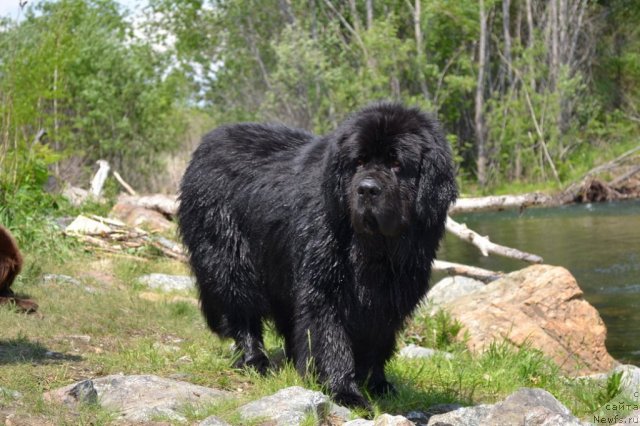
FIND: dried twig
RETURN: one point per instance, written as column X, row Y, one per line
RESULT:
column 124, row 184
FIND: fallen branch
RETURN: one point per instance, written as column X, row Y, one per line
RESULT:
column 124, row 184
column 479, row 274
column 499, row 202
column 113, row 236
column 485, row 246
column 165, row 204
column 611, row 164
column 624, row 177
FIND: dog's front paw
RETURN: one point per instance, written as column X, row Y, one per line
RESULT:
column 381, row 388
column 352, row 400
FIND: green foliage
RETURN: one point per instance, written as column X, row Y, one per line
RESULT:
column 612, row 388
column 438, row 331
column 75, row 69
column 104, row 88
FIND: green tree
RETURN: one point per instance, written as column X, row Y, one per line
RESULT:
column 76, row 69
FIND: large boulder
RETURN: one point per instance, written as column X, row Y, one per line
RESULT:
column 543, row 306
column 524, row 407
column 137, row 398
column 289, row 406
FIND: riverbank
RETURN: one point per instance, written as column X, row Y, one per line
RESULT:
column 598, row 242
column 589, row 190
column 98, row 318
column 614, row 180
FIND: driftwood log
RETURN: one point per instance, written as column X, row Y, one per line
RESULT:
column 500, row 202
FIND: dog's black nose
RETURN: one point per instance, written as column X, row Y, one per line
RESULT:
column 369, row 187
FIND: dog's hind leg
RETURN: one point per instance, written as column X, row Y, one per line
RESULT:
column 230, row 295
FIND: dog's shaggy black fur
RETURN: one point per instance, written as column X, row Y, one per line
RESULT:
column 331, row 237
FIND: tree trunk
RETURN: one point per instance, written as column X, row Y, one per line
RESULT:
column 530, row 41
column 420, row 54
column 555, row 56
column 506, row 5
column 481, row 161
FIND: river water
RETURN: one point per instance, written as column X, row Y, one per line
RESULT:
column 599, row 243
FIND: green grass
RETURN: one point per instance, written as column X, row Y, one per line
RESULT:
column 128, row 333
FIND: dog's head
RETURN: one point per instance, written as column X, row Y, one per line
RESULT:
column 395, row 169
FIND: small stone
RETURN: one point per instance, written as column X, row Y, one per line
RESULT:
column 160, row 347
column 213, row 421
column 359, row 422
column 8, row 393
column 413, row 351
column 53, row 355
column 50, row 279
column 389, row 420
column 166, row 282
column 418, row 417
column 465, row 416
column 84, row 392
column 80, row 337
column 287, row 407
column 340, row 412
column 451, row 288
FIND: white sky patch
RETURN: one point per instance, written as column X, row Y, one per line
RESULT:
column 11, row 8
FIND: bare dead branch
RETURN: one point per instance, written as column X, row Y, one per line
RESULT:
column 480, row 274
column 124, row 184
column 485, row 245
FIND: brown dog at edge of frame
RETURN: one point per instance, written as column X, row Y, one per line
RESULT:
column 10, row 261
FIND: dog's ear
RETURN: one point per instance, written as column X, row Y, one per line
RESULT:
column 437, row 188
column 334, row 185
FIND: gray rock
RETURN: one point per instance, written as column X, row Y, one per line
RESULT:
column 141, row 397
column 451, row 288
column 359, row 422
column 541, row 416
column 389, row 420
column 213, row 421
column 465, row 416
column 166, row 282
column 382, row 420
column 630, row 383
column 287, row 407
column 56, row 279
column 84, row 392
column 420, row 418
column 60, row 279
column 527, row 407
column 8, row 393
column 413, row 351
column 339, row 412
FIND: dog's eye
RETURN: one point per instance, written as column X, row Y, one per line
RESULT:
column 360, row 161
column 393, row 162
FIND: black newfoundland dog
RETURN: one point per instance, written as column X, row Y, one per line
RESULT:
column 331, row 237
